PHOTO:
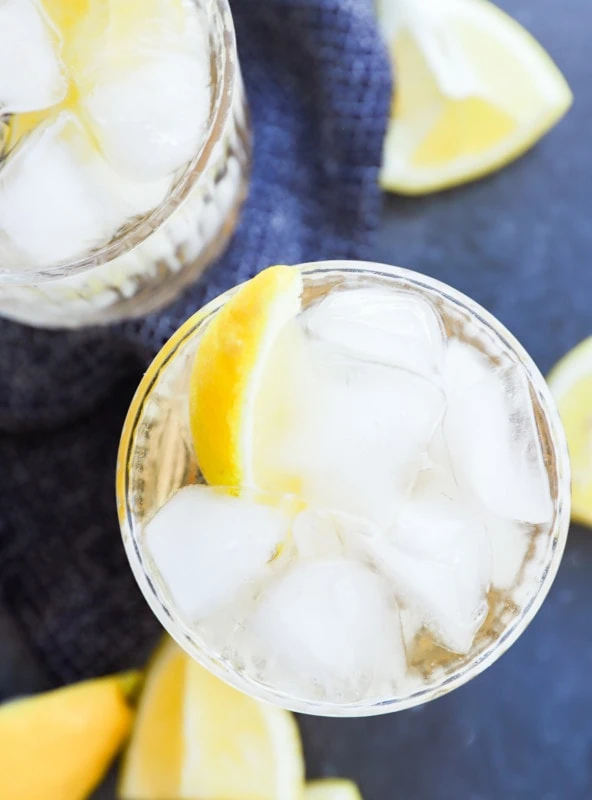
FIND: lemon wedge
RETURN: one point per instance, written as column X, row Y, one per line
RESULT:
column 473, row 91
column 332, row 789
column 237, row 748
column 195, row 736
column 228, row 370
column 58, row 745
column 153, row 760
column 66, row 14
column 570, row 382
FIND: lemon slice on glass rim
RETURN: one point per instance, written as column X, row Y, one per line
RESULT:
column 228, row 371
column 473, row 91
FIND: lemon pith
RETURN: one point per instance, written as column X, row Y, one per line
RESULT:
column 570, row 382
column 473, row 91
column 227, row 372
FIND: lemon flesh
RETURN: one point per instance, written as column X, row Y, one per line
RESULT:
column 195, row 736
column 152, row 765
column 570, row 382
column 474, row 90
column 236, row 747
column 66, row 14
column 58, row 745
column 332, row 789
column 228, row 371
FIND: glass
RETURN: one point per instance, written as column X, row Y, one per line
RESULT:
column 156, row 458
column 155, row 256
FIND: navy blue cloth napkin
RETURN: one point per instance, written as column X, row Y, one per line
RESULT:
column 318, row 83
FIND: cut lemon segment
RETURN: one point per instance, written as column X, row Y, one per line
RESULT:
column 473, row 91
column 570, row 382
column 66, row 14
column 228, row 370
column 58, row 745
column 332, row 789
column 152, row 765
column 195, row 736
column 236, row 747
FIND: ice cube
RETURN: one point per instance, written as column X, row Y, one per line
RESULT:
column 509, row 543
column 328, row 624
column 207, row 544
column 494, row 446
column 151, row 117
column 59, row 198
column 438, row 559
column 464, row 366
column 105, row 35
column 434, row 525
column 48, row 205
column 397, row 328
column 31, row 75
column 147, row 25
column 11, row 259
column 128, row 198
column 411, row 625
column 343, row 434
column 316, row 534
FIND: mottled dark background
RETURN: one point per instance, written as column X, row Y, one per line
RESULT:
column 520, row 243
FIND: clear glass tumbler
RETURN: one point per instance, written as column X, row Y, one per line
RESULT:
column 156, row 458
column 155, row 256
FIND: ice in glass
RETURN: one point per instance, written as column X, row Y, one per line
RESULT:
column 123, row 153
column 343, row 487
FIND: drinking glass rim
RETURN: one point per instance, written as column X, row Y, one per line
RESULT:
column 150, row 222
column 371, row 707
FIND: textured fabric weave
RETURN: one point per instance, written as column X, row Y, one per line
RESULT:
column 318, row 85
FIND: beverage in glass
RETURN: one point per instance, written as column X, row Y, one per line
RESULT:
column 124, row 154
column 366, row 516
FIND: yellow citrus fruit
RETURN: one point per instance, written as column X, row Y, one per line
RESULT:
column 152, row 764
column 58, row 745
column 20, row 125
column 332, row 789
column 473, row 91
column 102, row 35
column 66, row 14
column 570, row 382
column 228, row 371
column 237, row 747
column 195, row 736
